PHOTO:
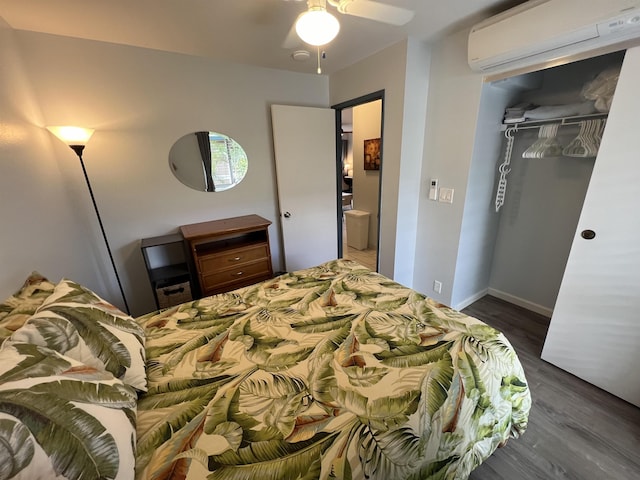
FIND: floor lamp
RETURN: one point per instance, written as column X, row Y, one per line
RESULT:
column 77, row 138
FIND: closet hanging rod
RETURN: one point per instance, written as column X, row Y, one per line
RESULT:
column 574, row 120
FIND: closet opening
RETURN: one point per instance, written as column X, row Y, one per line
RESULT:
column 539, row 165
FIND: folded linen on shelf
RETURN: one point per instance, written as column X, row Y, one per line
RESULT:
column 557, row 111
column 515, row 114
column 523, row 112
column 514, row 119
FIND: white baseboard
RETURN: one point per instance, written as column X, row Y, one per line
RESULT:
column 469, row 300
column 521, row 302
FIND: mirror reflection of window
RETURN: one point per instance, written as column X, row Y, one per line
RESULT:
column 208, row 161
column 228, row 160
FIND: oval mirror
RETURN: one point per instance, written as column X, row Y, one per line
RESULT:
column 208, row 161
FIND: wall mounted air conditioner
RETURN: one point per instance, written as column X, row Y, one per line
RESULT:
column 544, row 31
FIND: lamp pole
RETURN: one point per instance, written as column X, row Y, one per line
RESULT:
column 79, row 149
column 77, row 138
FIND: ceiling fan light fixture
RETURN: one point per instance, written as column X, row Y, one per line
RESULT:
column 317, row 27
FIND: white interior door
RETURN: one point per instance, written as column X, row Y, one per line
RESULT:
column 595, row 328
column 305, row 154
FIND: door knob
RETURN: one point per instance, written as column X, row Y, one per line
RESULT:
column 287, row 214
column 588, row 234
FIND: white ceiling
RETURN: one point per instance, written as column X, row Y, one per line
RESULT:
column 243, row 31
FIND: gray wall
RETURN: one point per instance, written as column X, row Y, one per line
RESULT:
column 140, row 102
column 537, row 224
column 402, row 71
column 46, row 216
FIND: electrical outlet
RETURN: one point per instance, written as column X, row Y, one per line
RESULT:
column 437, row 286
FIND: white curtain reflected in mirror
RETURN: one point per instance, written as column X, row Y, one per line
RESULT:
column 208, row 161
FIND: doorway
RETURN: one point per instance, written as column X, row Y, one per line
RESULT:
column 359, row 166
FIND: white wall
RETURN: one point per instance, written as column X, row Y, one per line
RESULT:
column 140, row 102
column 453, row 105
column 412, row 148
column 390, row 70
column 44, row 227
column 366, row 183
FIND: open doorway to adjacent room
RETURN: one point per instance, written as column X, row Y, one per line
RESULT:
column 359, row 139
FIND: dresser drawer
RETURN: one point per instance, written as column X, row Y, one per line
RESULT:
column 229, row 253
column 222, row 260
column 242, row 274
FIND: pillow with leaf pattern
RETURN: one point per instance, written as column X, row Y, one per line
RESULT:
column 15, row 310
column 78, row 323
column 62, row 419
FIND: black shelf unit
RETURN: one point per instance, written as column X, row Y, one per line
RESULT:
column 170, row 282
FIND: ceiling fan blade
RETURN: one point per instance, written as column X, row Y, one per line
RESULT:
column 379, row 12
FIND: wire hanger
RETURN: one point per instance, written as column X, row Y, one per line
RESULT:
column 587, row 143
column 546, row 145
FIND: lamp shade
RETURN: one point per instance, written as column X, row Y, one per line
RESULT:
column 317, row 27
column 72, row 135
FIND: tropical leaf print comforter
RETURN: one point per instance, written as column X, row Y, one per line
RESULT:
column 329, row 372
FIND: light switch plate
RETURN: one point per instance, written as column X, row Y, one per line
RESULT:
column 446, row 195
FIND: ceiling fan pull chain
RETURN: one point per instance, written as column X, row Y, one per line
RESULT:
column 323, row 56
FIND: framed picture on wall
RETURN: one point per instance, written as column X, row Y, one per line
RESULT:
column 372, row 154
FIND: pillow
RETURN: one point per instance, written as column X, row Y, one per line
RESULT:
column 21, row 305
column 61, row 418
column 76, row 322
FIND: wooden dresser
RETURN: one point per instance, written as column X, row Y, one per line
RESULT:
column 229, row 253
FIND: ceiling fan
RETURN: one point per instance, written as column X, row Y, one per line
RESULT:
column 380, row 12
column 369, row 9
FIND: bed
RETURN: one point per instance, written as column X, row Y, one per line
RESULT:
column 329, row 372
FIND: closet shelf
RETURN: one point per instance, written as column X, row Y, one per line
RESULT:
column 574, row 120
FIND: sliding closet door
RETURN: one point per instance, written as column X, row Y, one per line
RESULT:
column 305, row 152
column 595, row 328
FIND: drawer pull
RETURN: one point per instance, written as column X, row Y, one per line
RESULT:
column 234, row 259
column 239, row 273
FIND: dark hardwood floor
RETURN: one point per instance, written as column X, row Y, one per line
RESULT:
column 576, row 431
